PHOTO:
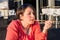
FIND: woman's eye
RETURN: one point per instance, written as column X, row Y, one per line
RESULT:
column 29, row 13
column 33, row 13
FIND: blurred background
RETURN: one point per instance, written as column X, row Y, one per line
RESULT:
column 8, row 13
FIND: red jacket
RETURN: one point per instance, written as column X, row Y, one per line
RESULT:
column 15, row 32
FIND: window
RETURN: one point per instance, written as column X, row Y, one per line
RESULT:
column 57, row 2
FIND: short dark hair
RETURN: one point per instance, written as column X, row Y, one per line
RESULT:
column 22, row 8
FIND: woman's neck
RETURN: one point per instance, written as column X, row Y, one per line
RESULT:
column 25, row 25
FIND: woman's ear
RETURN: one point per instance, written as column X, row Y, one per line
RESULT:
column 21, row 16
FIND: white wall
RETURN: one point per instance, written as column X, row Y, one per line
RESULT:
column 3, row 4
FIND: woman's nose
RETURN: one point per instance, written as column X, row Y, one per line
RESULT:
column 32, row 15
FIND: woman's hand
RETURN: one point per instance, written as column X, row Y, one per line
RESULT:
column 48, row 24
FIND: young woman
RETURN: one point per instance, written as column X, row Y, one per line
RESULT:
column 25, row 27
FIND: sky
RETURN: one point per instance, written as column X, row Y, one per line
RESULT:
column 2, row 0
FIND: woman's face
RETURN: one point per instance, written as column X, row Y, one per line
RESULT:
column 28, row 16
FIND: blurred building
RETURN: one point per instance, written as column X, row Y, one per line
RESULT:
column 8, row 11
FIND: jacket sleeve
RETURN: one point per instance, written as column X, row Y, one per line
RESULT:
column 38, row 34
column 12, row 32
